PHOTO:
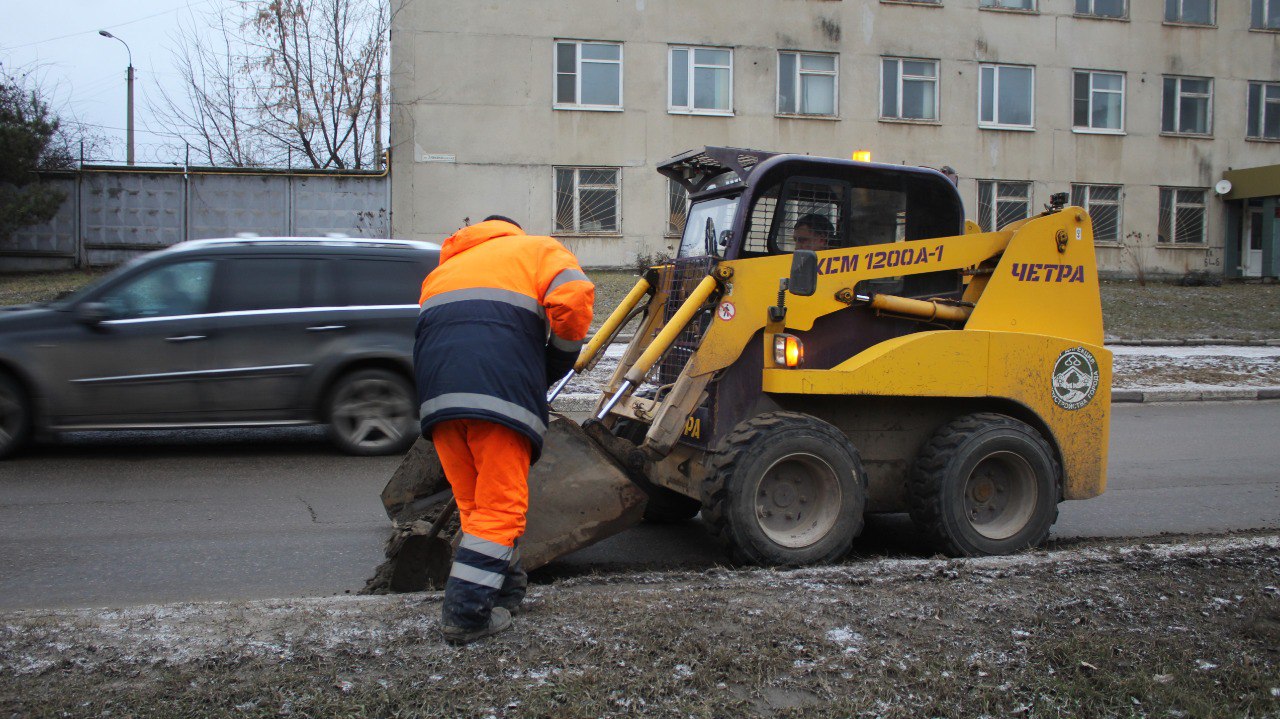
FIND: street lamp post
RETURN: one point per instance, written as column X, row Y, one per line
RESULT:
column 129, row 123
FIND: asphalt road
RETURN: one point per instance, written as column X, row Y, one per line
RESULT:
column 103, row 519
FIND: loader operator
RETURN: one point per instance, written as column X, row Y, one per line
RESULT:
column 503, row 316
column 812, row 232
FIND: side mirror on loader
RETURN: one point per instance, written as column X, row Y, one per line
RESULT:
column 804, row 273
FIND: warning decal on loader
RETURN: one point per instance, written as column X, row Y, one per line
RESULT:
column 1075, row 378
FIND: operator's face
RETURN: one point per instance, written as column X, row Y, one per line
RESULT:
column 807, row 238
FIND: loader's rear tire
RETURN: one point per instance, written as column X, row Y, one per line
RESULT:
column 985, row 484
column 785, row 489
column 665, row 506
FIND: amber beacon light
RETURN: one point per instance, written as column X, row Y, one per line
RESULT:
column 788, row 350
column 862, row 156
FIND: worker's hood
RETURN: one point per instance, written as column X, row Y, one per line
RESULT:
column 473, row 235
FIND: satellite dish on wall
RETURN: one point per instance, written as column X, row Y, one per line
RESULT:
column 1223, row 187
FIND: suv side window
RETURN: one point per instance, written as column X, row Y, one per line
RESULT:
column 181, row 288
column 265, row 283
column 372, row 282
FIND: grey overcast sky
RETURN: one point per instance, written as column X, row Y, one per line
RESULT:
column 84, row 73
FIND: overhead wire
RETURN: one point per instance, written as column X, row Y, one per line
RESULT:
column 188, row 6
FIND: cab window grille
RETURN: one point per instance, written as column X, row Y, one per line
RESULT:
column 757, row 240
column 686, row 275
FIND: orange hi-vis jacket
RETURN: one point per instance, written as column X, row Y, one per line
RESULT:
column 503, row 317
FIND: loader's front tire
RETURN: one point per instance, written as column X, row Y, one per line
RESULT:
column 985, row 484
column 665, row 506
column 785, row 489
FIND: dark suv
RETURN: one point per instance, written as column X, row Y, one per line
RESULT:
column 226, row 333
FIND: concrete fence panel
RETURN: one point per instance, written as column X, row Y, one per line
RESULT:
column 112, row 215
column 225, row 205
column 50, row 246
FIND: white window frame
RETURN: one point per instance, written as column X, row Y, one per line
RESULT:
column 1177, row 106
column 1089, row 203
column 1263, row 102
column 1173, row 217
column 1091, row 12
column 1124, row 90
column 577, row 201
column 995, row 200
column 1213, row 16
column 577, row 71
column 995, row 124
column 799, row 76
column 902, row 77
column 999, row 5
column 1265, row 7
column 690, row 109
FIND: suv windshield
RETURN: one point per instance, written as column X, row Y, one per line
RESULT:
column 707, row 230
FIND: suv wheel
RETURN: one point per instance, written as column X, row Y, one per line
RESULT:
column 15, row 416
column 371, row 412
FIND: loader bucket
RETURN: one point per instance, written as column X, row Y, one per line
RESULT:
column 578, row 495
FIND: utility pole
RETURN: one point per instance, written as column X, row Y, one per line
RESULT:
column 129, row 122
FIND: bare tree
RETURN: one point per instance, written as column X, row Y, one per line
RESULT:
column 215, row 115
column 284, row 81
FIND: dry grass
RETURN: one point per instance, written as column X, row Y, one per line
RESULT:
column 1164, row 311
column 19, row 289
column 1141, row 630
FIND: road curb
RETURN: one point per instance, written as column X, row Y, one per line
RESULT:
column 1192, row 342
column 1223, row 394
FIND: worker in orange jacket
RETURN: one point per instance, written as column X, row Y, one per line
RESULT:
column 503, row 317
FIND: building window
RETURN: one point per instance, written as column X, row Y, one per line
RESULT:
column 807, row 84
column 677, row 208
column 1266, row 15
column 587, row 200
column 1103, row 8
column 1190, row 12
column 1182, row 216
column 1187, row 108
column 588, row 75
column 1000, row 203
column 1264, row 110
column 701, row 80
column 1010, row 4
column 1102, row 202
column 1099, row 101
column 909, row 89
column 1006, row 96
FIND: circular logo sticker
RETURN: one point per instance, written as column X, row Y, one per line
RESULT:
column 1075, row 378
column 726, row 311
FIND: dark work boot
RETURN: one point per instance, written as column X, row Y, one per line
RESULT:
column 477, row 575
column 514, row 584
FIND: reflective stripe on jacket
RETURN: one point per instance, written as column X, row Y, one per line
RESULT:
column 503, row 316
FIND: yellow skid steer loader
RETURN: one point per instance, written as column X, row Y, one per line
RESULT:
column 832, row 339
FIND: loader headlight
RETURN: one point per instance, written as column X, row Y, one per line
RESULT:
column 788, row 350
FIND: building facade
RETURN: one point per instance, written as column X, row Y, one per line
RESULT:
column 556, row 113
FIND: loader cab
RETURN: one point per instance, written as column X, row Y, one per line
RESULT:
column 747, row 203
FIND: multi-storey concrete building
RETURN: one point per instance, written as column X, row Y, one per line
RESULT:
column 556, row 113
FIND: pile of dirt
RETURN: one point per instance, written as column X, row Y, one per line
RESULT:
column 1142, row 628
